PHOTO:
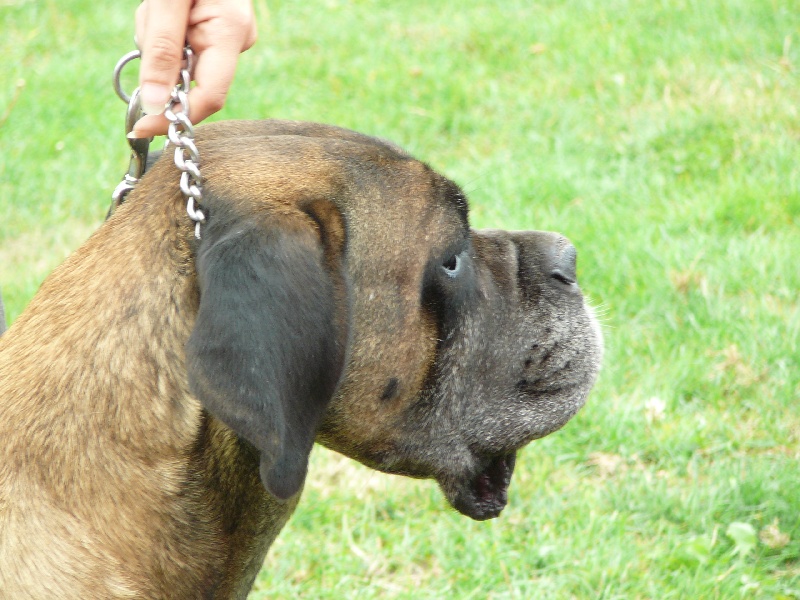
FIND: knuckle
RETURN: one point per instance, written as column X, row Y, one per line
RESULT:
column 240, row 25
column 240, row 17
column 252, row 38
column 214, row 102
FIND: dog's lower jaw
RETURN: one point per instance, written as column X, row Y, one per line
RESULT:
column 483, row 495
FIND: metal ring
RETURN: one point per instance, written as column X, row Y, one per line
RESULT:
column 194, row 172
column 173, row 135
column 185, row 80
column 180, row 161
column 132, row 55
column 183, row 146
column 182, row 119
column 189, row 166
column 188, row 145
column 182, row 96
column 189, row 188
column 188, row 55
column 195, row 214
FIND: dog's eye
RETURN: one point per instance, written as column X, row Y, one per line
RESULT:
column 452, row 266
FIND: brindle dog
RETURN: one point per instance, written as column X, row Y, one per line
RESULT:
column 160, row 395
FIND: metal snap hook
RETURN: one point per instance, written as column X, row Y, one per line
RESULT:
column 139, row 150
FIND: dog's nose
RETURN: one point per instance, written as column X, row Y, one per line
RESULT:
column 545, row 259
column 562, row 261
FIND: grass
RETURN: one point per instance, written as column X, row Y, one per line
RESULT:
column 661, row 137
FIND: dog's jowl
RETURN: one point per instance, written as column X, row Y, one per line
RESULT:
column 160, row 395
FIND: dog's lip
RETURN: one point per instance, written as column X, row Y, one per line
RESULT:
column 484, row 496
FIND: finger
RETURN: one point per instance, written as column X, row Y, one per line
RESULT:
column 213, row 76
column 140, row 18
column 252, row 36
column 150, row 126
column 219, row 22
column 163, row 35
column 219, row 32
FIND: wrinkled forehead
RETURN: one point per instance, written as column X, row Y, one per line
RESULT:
column 379, row 188
column 402, row 188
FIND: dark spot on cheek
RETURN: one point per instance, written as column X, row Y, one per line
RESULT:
column 391, row 389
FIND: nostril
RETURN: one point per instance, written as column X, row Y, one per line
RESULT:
column 565, row 279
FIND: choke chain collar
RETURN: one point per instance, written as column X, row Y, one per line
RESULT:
column 180, row 134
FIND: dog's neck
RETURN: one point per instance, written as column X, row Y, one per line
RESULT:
column 107, row 377
column 132, row 331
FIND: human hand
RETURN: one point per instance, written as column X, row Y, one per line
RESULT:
column 217, row 30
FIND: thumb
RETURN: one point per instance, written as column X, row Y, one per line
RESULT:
column 161, row 31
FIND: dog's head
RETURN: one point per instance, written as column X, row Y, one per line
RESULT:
column 344, row 298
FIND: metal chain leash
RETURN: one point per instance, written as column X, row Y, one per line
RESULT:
column 180, row 134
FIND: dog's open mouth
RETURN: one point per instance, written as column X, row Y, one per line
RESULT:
column 485, row 496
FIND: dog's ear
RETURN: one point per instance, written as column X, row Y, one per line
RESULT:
column 269, row 345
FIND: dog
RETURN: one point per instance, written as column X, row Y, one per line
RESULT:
column 160, row 395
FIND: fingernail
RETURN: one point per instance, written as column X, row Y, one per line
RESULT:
column 154, row 98
column 136, row 135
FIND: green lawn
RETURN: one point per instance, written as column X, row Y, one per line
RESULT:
column 662, row 137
